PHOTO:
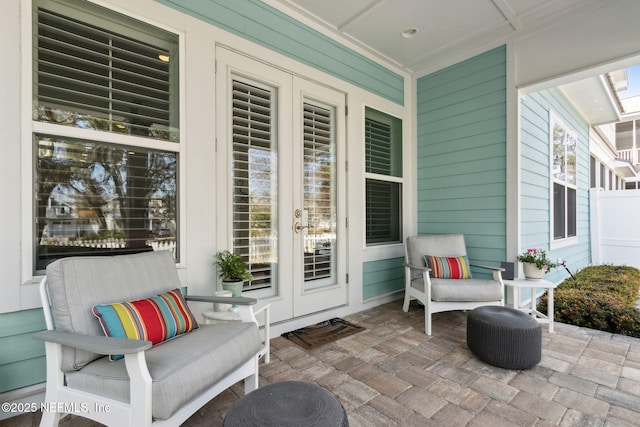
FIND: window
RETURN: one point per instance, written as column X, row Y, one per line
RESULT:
column 255, row 179
column 110, row 184
column 610, row 179
column 383, row 174
column 564, row 180
column 319, row 144
column 87, row 75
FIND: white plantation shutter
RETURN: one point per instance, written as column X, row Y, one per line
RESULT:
column 89, row 76
column 319, row 197
column 254, row 179
column 382, row 211
column 96, row 198
column 378, row 147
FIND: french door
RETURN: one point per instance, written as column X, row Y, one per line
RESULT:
column 282, row 141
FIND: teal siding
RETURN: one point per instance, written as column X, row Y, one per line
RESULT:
column 266, row 26
column 461, row 164
column 22, row 360
column 536, row 177
column 382, row 277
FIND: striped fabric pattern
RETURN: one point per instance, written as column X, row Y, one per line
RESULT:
column 154, row 319
column 448, row 267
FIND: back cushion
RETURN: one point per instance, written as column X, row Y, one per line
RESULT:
column 441, row 245
column 76, row 284
column 448, row 267
column 156, row 319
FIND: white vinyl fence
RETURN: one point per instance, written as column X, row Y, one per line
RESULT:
column 615, row 227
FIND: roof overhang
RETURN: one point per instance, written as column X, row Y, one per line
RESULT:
column 625, row 169
column 593, row 98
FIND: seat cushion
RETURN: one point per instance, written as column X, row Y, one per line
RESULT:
column 181, row 369
column 461, row 289
column 154, row 319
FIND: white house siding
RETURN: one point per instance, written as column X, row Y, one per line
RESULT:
column 535, row 183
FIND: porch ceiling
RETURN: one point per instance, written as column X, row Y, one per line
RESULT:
column 446, row 30
column 449, row 31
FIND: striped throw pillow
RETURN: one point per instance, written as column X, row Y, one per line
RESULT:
column 154, row 319
column 448, row 267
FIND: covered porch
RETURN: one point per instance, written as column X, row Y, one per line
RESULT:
column 393, row 374
column 472, row 98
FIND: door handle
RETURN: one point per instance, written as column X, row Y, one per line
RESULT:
column 299, row 227
column 304, row 220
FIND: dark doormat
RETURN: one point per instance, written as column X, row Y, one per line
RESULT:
column 322, row 333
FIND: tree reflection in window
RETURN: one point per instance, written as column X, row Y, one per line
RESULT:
column 94, row 198
column 564, row 180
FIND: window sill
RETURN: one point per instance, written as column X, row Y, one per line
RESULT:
column 563, row 243
column 375, row 253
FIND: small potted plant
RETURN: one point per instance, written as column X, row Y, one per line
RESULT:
column 535, row 263
column 233, row 272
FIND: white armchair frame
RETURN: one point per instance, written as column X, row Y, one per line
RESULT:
column 419, row 284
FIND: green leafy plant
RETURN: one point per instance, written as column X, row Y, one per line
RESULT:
column 537, row 257
column 599, row 297
column 231, row 267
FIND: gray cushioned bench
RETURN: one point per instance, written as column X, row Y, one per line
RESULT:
column 169, row 381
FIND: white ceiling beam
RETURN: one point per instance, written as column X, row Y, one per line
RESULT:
column 509, row 15
column 360, row 15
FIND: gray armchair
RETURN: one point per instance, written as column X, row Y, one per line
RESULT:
column 440, row 294
column 163, row 384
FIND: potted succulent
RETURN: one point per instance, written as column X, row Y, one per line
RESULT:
column 233, row 272
column 535, row 263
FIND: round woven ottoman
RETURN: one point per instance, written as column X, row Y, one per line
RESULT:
column 504, row 337
column 288, row 404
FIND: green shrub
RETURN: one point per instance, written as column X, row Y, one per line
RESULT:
column 621, row 281
column 600, row 297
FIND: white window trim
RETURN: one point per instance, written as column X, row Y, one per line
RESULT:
column 29, row 127
column 566, row 241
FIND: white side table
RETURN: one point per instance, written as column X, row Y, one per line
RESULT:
column 212, row 316
column 517, row 284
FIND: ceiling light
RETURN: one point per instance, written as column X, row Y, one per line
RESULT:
column 410, row 33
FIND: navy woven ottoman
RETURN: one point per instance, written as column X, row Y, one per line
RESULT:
column 504, row 337
column 288, row 404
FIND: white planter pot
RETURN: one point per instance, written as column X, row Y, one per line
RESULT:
column 531, row 271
